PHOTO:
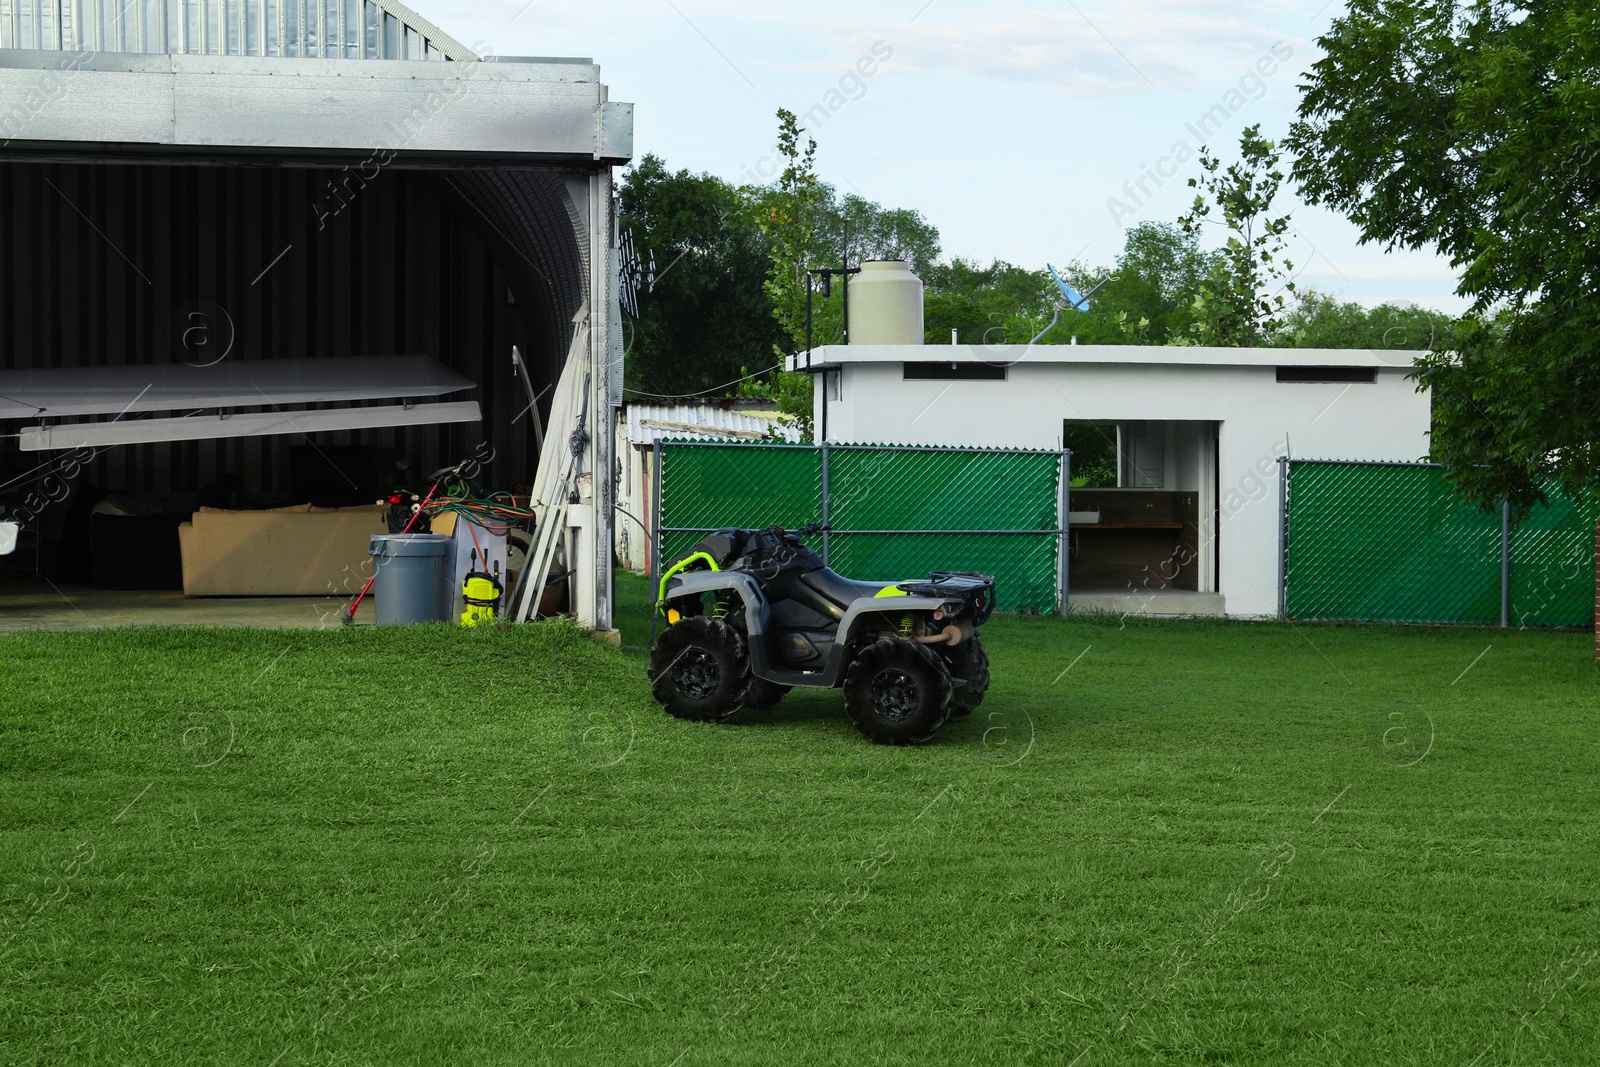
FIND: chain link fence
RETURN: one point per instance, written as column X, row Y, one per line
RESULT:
column 893, row 512
column 1392, row 542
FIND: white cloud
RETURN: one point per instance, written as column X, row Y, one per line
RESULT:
column 1009, row 123
column 1082, row 50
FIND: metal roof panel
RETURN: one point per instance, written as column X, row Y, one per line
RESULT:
column 648, row 423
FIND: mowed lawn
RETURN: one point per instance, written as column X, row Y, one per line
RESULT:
column 1156, row 843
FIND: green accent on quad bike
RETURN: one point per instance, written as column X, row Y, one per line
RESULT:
column 889, row 590
column 682, row 564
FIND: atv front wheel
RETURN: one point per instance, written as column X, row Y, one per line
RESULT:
column 968, row 663
column 897, row 693
column 699, row 670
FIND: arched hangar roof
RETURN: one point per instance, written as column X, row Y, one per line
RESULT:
column 320, row 29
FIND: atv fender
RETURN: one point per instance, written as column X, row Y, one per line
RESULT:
column 757, row 613
column 693, row 583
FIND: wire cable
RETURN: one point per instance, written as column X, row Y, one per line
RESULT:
column 631, row 515
column 703, row 392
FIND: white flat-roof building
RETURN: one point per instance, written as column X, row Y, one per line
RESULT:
column 1182, row 512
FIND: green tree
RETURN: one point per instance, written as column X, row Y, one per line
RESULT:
column 729, row 292
column 986, row 305
column 1234, row 305
column 1003, row 304
column 1147, row 297
column 1320, row 321
column 1094, row 453
column 1150, row 295
column 1472, row 128
column 855, row 229
column 789, row 213
column 790, row 391
column 706, row 316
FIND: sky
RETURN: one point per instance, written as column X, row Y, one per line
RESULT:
column 1027, row 131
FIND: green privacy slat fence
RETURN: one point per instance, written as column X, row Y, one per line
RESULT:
column 1394, row 543
column 1024, row 567
column 706, row 486
column 881, row 502
column 881, row 489
column 1552, row 564
column 1390, row 543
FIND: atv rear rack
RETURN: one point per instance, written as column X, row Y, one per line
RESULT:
column 975, row 590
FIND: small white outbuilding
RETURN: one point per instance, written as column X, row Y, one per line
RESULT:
column 1182, row 444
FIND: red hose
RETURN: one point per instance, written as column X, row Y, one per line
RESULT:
column 350, row 616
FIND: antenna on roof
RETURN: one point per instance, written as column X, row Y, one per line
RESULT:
column 634, row 274
column 1069, row 299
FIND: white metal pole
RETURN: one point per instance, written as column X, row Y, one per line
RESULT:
column 1283, row 536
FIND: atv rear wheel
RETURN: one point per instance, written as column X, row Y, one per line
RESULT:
column 897, row 693
column 699, row 670
column 968, row 663
column 763, row 694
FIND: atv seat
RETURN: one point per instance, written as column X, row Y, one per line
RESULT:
column 839, row 589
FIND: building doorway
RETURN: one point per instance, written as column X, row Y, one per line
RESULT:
column 1143, row 506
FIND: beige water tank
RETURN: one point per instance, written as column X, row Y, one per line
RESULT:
column 885, row 304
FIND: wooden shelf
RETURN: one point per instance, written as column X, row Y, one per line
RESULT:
column 1127, row 526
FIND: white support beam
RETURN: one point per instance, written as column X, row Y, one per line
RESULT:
column 595, row 595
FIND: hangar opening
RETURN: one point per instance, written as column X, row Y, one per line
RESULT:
column 256, row 264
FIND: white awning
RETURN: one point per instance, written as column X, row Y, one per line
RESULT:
column 257, row 424
column 67, row 391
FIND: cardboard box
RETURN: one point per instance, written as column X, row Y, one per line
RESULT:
column 294, row 551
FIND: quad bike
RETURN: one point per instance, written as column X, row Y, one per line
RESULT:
column 753, row 613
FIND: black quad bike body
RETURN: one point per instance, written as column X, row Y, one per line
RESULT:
column 753, row 613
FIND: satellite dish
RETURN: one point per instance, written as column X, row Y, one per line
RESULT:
column 1074, row 301
column 1069, row 299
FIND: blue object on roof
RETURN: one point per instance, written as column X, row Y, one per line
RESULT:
column 1074, row 300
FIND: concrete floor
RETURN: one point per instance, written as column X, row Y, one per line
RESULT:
column 1146, row 602
column 27, row 605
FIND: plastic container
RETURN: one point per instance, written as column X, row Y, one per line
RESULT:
column 411, row 574
column 885, row 304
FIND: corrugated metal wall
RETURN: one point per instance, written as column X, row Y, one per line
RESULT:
column 104, row 264
column 322, row 29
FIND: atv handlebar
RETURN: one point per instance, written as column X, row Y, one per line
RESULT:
column 804, row 531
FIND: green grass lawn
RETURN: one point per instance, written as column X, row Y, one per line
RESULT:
column 1158, row 843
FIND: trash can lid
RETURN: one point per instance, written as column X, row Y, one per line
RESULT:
column 409, row 544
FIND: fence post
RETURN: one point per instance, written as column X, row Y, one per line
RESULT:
column 827, row 510
column 1283, row 537
column 1597, row 591
column 1505, row 564
column 1064, row 528
column 655, row 523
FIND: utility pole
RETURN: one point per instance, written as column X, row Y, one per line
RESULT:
column 827, row 275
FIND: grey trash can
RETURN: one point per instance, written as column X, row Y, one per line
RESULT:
column 410, row 572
